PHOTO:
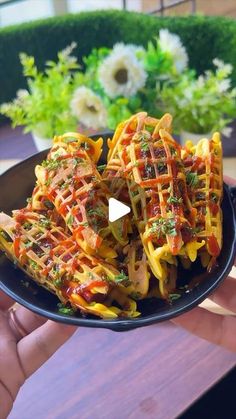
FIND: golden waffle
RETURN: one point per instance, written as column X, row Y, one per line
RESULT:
column 68, row 178
column 203, row 168
column 150, row 160
column 53, row 259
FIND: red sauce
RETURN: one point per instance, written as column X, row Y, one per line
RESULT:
column 214, row 208
column 16, row 246
column 213, row 246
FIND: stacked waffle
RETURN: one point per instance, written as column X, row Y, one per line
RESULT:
column 63, row 238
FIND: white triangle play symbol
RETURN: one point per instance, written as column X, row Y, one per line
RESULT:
column 117, row 209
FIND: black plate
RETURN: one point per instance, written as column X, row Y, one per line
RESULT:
column 16, row 185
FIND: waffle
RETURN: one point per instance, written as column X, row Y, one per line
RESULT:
column 203, row 168
column 49, row 255
column 150, row 160
column 63, row 238
column 69, row 180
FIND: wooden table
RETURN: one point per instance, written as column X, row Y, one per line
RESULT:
column 154, row 372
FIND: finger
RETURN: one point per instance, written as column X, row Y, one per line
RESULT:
column 9, row 362
column 225, row 295
column 5, row 301
column 40, row 345
column 210, row 326
column 25, row 322
column 229, row 180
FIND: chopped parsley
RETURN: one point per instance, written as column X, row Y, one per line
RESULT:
column 101, row 167
column 33, row 264
column 173, row 151
column 51, row 164
column 96, row 211
column 44, row 222
column 160, row 166
column 149, row 129
column 84, row 224
column 121, row 277
column 27, row 225
column 144, row 146
column 162, row 226
column 174, row 296
column 28, row 244
column 135, row 163
column 63, row 309
column 214, row 197
column 77, row 160
column 70, row 220
column 58, row 282
column 90, row 275
column 48, row 182
column 174, row 200
column 192, row 179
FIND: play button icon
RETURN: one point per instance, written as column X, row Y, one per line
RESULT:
column 117, row 210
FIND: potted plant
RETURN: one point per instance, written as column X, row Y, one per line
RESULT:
column 44, row 108
column 200, row 105
column 120, row 81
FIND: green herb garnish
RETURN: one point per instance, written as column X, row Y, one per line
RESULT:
column 28, row 244
column 70, row 220
column 101, row 167
column 27, row 225
column 51, row 164
column 173, row 297
column 174, row 200
column 44, row 222
column 48, row 182
column 162, row 226
column 173, row 151
column 192, row 179
column 77, row 160
column 121, row 277
column 96, row 211
column 84, row 224
column 214, row 197
column 29, row 200
column 160, row 166
column 33, row 264
column 63, row 309
column 144, row 146
column 58, row 282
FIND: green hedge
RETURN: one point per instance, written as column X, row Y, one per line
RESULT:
column 204, row 37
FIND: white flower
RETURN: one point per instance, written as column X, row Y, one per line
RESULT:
column 222, row 66
column 227, row 131
column 21, row 94
column 121, row 73
column 224, row 85
column 88, row 108
column 171, row 43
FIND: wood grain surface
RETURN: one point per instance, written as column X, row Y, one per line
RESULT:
column 153, row 372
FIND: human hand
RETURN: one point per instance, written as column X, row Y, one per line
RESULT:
column 27, row 341
column 213, row 327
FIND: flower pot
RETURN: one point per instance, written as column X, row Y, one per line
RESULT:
column 40, row 142
column 185, row 136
